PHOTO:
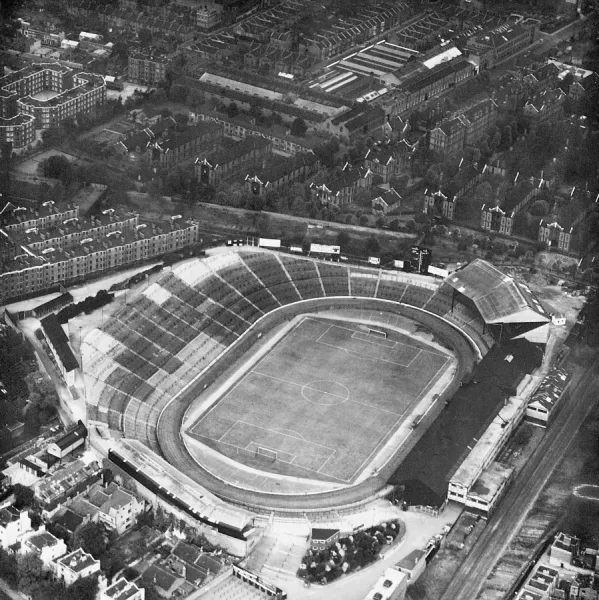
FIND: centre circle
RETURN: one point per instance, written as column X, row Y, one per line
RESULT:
column 325, row 392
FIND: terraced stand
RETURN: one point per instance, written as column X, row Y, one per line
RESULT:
column 171, row 333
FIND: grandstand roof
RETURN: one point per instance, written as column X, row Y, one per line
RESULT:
column 498, row 297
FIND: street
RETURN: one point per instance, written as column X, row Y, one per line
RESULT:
column 504, row 524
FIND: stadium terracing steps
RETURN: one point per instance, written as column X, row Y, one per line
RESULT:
column 175, row 329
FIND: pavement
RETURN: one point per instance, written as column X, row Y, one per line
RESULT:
column 524, row 491
column 420, row 528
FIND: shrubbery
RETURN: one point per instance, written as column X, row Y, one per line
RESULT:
column 348, row 554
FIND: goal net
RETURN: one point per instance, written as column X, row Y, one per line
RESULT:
column 377, row 333
column 266, row 454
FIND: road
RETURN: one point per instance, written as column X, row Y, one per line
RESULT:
column 505, row 523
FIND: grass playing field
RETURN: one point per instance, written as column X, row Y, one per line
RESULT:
column 323, row 401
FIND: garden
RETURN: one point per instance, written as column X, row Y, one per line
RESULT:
column 350, row 553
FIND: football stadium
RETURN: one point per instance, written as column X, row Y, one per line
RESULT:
column 254, row 382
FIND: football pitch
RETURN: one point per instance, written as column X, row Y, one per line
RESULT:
column 323, row 401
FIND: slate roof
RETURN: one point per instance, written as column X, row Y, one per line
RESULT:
column 57, row 337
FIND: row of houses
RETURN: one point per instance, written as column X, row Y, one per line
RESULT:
column 567, row 570
column 18, row 536
column 243, row 126
column 176, row 25
column 332, row 38
column 29, row 271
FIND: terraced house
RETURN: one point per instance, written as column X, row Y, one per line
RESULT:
column 231, row 160
column 184, row 145
column 280, row 172
column 54, row 246
column 545, row 107
column 343, row 188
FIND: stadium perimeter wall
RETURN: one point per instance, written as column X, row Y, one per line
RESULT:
column 171, row 419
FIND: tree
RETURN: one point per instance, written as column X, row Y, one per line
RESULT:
column 91, row 538
column 521, row 223
column 433, row 176
column 24, row 496
column 506, row 137
column 417, row 591
column 9, row 570
column 566, row 82
column 83, row 589
column 58, row 166
column 232, row 110
column 178, row 93
column 343, row 240
column 29, row 572
column 113, row 560
column 145, row 37
column 373, row 246
column 540, row 208
column 299, row 127
column 151, row 593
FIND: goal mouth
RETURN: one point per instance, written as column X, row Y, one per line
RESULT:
column 266, row 454
column 377, row 333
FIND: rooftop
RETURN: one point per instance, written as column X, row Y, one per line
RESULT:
column 161, row 578
column 228, row 154
column 78, row 560
column 323, row 534
column 121, row 590
column 490, row 481
column 411, row 560
column 56, row 336
column 79, row 432
column 498, row 297
column 43, row 540
column 8, row 515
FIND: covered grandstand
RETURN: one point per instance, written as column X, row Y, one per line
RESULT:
column 507, row 306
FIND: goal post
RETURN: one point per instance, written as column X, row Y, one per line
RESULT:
column 377, row 332
column 266, row 454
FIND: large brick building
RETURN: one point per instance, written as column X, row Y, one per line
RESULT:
column 70, row 249
column 467, row 127
column 493, row 47
column 184, row 145
column 343, row 188
column 545, row 107
column 227, row 162
column 75, row 92
column 147, row 68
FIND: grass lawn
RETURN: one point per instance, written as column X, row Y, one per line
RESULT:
column 323, row 401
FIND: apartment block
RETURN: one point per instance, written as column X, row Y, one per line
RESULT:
column 76, row 257
column 147, row 68
column 76, row 92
